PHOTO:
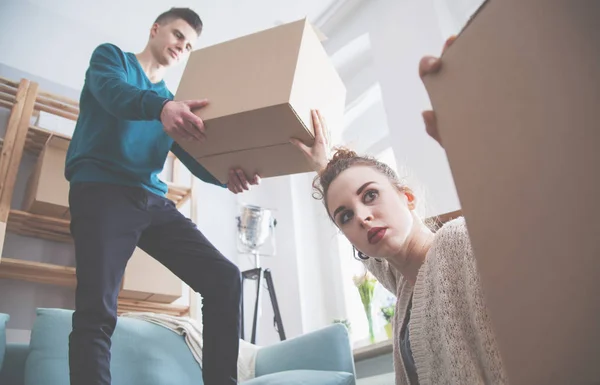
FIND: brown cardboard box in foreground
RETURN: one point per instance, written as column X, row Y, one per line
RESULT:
column 261, row 89
column 47, row 189
column 517, row 102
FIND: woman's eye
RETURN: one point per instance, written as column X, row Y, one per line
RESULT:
column 370, row 196
column 345, row 216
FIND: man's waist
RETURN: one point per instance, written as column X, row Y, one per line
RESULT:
column 94, row 171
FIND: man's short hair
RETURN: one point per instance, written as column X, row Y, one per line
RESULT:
column 186, row 14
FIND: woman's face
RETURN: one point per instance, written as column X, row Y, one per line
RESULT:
column 373, row 214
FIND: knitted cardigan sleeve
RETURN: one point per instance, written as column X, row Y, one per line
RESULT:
column 455, row 292
column 384, row 273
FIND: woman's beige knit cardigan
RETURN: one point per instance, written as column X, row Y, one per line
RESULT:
column 450, row 333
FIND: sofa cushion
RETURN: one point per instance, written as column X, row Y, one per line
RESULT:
column 3, row 321
column 303, row 377
column 142, row 353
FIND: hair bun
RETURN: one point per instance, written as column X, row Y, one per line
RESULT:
column 343, row 153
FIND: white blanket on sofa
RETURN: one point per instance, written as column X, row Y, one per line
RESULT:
column 192, row 331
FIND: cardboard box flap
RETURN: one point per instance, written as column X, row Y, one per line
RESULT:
column 47, row 190
column 256, row 129
column 233, row 74
column 52, row 187
column 59, row 142
column 266, row 161
column 516, row 103
column 316, row 71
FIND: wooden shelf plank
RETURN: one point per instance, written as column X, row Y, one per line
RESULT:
column 9, row 82
column 37, row 138
column 39, row 226
column 8, row 93
column 51, row 228
column 5, row 104
column 178, row 194
column 39, row 272
column 46, row 273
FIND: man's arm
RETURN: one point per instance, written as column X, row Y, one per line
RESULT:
column 107, row 80
column 195, row 168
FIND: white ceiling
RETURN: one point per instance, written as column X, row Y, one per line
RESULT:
column 128, row 21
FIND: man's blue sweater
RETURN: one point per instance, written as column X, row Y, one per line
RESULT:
column 119, row 137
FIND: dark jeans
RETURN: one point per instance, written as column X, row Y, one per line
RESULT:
column 108, row 221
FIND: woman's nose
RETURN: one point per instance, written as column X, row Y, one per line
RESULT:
column 365, row 218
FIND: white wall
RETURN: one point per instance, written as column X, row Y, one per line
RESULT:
column 406, row 31
column 51, row 46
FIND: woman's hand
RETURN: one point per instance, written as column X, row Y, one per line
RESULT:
column 317, row 154
column 430, row 65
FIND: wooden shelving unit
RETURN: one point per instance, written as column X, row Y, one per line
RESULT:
column 39, row 226
column 38, row 272
column 37, row 137
column 24, row 100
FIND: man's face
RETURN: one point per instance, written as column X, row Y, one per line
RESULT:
column 172, row 41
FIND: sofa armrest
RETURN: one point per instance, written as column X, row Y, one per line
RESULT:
column 326, row 349
column 13, row 370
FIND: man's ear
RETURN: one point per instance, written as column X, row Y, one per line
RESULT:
column 154, row 29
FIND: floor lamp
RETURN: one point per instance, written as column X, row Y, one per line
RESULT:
column 255, row 226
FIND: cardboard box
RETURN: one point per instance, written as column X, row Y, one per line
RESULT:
column 517, row 106
column 47, row 189
column 146, row 279
column 261, row 89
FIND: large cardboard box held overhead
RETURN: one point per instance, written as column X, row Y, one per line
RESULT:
column 261, row 89
column 517, row 104
column 47, row 189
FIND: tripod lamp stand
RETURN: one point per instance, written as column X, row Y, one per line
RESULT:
column 255, row 226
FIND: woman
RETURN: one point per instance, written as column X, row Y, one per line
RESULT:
column 442, row 331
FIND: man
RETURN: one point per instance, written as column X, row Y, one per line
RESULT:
column 117, row 201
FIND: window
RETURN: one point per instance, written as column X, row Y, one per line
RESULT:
column 353, row 267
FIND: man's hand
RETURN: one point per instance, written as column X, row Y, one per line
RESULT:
column 238, row 181
column 179, row 120
column 430, row 65
column 318, row 153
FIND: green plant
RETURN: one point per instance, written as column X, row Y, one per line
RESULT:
column 388, row 313
column 366, row 287
column 344, row 322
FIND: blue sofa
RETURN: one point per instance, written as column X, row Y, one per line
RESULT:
column 147, row 354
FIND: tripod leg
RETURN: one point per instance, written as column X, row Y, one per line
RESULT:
column 256, row 304
column 242, row 326
column 271, row 288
